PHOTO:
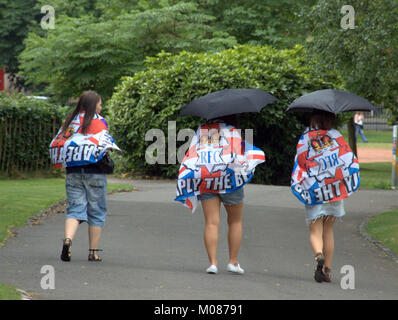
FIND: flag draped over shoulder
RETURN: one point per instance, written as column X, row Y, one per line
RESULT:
column 217, row 161
column 325, row 168
column 75, row 149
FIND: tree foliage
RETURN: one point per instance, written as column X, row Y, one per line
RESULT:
column 89, row 53
column 16, row 19
column 271, row 22
column 367, row 56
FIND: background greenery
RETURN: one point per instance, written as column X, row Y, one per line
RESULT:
column 93, row 53
column 153, row 97
column 366, row 56
column 384, row 228
column 97, row 43
column 8, row 292
column 103, row 45
column 20, row 199
column 376, row 175
column 27, row 127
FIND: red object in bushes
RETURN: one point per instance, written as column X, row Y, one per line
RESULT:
column 2, row 79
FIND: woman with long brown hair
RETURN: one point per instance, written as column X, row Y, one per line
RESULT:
column 85, row 181
column 324, row 174
column 322, row 217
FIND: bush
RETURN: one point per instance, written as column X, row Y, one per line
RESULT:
column 27, row 127
column 153, row 97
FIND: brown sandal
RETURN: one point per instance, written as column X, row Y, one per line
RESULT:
column 320, row 259
column 327, row 274
column 93, row 256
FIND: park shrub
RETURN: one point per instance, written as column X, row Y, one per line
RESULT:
column 27, row 126
column 153, row 97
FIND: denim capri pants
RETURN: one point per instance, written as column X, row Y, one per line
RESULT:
column 334, row 209
column 86, row 193
column 228, row 199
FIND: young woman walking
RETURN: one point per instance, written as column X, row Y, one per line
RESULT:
column 325, row 172
column 216, row 167
column 77, row 146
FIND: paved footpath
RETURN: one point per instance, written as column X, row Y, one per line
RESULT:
column 153, row 249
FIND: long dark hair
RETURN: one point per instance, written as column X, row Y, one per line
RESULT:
column 322, row 120
column 88, row 103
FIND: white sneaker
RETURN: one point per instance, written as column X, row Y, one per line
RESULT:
column 212, row 269
column 235, row 269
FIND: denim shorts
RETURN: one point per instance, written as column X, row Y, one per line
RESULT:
column 86, row 194
column 228, row 199
column 335, row 209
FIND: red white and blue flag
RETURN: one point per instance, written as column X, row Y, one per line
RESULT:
column 75, row 149
column 325, row 168
column 217, row 161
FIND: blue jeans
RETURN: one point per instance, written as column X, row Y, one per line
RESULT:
column 314, row 212
column 86, row 193
column 360, row 130
column 228, row 199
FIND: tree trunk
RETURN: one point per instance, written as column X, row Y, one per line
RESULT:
column 351, row 136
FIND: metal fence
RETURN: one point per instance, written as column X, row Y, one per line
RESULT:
column 376, row 120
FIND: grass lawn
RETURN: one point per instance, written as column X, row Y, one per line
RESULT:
column 21, row 199
column 8, row 292
column 375, row 145
column 384, row 228
column 377, row 139
column 375, row 175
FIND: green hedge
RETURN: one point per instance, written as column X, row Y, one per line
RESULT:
column 27, row 127
column 153, row 97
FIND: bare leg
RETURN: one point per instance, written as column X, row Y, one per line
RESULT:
column 328, row 240
column 316, row 238
column 71, row 226
column 94, row 235
column 211, row 209
column 235, row 231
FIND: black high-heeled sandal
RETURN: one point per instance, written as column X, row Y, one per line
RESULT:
column 93, row 256
column 66, row 250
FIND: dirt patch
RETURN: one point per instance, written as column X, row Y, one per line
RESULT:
column 366, row 155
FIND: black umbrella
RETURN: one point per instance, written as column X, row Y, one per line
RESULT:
column 331, row 101
column 227, row 102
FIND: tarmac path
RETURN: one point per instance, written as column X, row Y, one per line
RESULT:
column 153, row 249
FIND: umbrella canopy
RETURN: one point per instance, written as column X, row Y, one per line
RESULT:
column 226, row 102
column 329, row 100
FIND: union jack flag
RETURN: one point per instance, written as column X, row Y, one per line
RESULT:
column 325, row 168
column 217, row 161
